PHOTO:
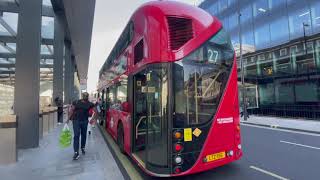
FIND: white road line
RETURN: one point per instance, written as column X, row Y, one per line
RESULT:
column 283, row 130
column 296, row 144
column 268, row 173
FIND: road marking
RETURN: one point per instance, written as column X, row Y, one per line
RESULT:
column 126, row 163
column 296, row 144
column 268, row 173
column 283, row 130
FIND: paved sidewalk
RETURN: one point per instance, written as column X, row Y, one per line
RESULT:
column 304, row 125
column 51, row 162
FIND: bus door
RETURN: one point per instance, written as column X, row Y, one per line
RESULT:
column 151, row 118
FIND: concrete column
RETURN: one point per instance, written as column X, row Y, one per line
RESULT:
column 72, row 82
column 58, row 57
column 293, row 59
column 68, row 74
column 27, row 85
column 274, row 65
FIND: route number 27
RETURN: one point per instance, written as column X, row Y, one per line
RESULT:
column 213, row 56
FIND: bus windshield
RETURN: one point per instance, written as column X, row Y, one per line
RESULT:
column 200, row 80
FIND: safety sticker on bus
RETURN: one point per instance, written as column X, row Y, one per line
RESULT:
column 197, row 132
column 187, row 134
column 225, row 120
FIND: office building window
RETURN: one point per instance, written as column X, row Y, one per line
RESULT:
column 246, row 14
column 284, row 93
column 262, row 36
column 213, row 9
column 306, row 92
column 248, row 41
column 260, row 8
column 297, row 19
column 279, row 30
column 231, row 2
column 277, row 3
column 233, row 21
column 315, row 15
column 225, row 23
column 266, row 92
column 223, row 4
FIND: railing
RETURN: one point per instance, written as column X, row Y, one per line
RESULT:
column 293, row 111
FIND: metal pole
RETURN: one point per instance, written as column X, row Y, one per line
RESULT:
column 244, row 94
column 304, row 37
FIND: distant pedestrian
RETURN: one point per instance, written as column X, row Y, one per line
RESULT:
column 58, row 102
column 92, row 120
column 79, row 114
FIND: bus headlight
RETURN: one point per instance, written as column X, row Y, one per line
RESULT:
column 178, row 159
column 230, row 153
column 239, row 146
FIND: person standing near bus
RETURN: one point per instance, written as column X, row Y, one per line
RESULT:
column 79, row 115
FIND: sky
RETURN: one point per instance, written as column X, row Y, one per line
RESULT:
column 109, row 20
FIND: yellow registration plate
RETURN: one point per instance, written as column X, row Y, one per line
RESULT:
column 216, row 156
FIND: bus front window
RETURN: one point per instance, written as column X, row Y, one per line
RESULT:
column 200, row 80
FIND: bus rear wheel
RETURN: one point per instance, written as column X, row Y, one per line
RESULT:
column 120, row 138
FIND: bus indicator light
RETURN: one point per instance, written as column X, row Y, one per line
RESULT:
column 178, row 135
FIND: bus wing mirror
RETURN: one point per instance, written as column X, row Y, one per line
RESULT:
column 125, row 106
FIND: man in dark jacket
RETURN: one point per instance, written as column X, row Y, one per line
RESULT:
column 79, row 115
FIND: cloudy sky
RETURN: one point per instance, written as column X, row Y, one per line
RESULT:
column 109, row 20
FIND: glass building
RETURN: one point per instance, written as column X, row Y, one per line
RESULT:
column 281, row 52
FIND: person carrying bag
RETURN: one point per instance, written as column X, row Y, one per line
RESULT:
column 79, row 114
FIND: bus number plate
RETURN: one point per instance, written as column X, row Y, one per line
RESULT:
column 216, row 156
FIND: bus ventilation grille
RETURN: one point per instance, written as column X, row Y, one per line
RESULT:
column 180, row 31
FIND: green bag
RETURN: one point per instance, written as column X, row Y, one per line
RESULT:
column 65, row 137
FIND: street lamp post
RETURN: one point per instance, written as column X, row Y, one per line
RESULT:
column 244, row 93
column 304, row 36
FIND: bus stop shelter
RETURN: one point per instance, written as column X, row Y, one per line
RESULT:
column 44, row 49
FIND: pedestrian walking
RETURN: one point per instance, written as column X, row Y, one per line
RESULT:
column 79, row 114
column 92, row 120
column 58, row 102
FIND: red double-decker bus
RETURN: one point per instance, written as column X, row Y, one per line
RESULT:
column 170, row 87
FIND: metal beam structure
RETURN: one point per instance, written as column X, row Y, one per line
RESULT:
column 14, row 8
column 2, row 65
column 12, row 55
column 27, row 73
column 11, row 39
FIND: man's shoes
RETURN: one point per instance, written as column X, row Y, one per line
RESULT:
column 76, row 156
column 83, row 151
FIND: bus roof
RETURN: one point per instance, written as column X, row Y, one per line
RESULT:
column 155, row 23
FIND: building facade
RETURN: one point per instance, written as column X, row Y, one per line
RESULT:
column 281, row 52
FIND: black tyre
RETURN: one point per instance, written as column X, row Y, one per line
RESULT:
column 120, row 138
